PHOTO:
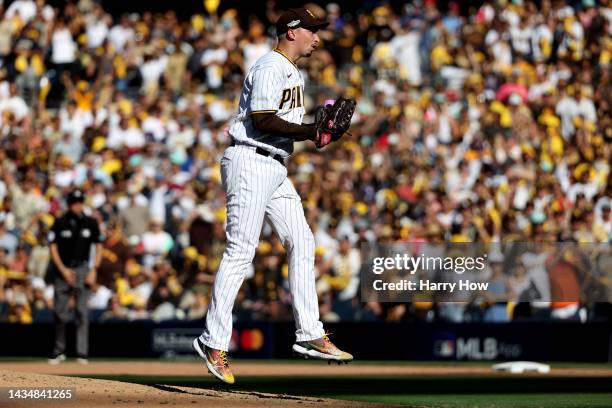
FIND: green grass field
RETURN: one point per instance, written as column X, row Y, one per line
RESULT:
column 497, row 400
column 425, row 391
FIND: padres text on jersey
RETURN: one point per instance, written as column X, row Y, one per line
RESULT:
column 274, row 84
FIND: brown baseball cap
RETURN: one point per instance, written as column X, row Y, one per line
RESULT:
column 296, row 18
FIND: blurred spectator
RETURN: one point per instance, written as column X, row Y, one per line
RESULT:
column 166, row 292
column 135, row 289
column 156, row 242
column 498, row 293
column 20, row 310
column 565, row 286
column 115, row 254
column 99, row 297
column 134, row 216
column 8, row 241
column 19, row 262
column 520, row 284
column 257, row 45
column 115, row 310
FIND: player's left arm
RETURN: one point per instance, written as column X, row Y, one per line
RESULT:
column 270, row 123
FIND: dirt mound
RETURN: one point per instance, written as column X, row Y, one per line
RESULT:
column 91, row 393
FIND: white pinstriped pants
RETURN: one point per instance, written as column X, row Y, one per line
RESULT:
column 256, row 187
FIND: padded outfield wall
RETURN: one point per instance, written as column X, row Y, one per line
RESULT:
column 535, row 341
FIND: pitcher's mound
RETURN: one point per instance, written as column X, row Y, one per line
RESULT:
column 93, row 393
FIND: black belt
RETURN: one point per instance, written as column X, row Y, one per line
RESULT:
column 266, row 153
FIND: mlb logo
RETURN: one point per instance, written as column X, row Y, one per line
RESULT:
column 444, row 348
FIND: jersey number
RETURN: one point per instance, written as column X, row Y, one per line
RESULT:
column 294, row 96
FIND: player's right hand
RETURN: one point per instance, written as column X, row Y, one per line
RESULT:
column 323, row 139
column 69, row 276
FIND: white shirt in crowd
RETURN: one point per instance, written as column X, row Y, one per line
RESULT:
column 454, row 76
column 100, row 298
column 64, row 48
column 567, row 108
column 152, row 70
column 131, row 137
column 143, row 291
column 154, row 126
column 607, row 13
column 25, row 8
column 119, row 36
column 76, row 123
column 182, row 139
column 5, row 90
column 521, row 39
column 541, row 35
column 348, row 265
column 96, row 31
column 571, row 190
column 588, row 190
column 587, row 109
column 511, row 17
column 444, row 128
column 116, row 137
column 220, row 111
column 252, row 52
column 502, row 53
column 214, row 58
column 576, row 37
column 487, row 12
column 65, row 178
column 537, row 89
column 134, row 137
column 16, row 105
column 157, row 205
column 535, row 264
column 3, row 191
column 324, row 240
column 491, row 37
column 499, row 47
column 157, row 243
column 405, row 48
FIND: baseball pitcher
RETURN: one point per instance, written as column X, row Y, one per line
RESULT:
column 254, row 176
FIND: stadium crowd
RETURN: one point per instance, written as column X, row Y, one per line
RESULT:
column 487, row 124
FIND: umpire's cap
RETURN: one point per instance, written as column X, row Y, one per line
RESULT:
column 75, row 196
column 296, row 18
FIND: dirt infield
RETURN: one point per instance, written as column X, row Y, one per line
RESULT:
column 254, row 369
column 93, row 393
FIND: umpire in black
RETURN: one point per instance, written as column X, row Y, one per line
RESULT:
column 71, row 239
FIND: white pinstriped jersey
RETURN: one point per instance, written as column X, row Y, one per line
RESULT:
column 274, row 84
column 258, row 190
